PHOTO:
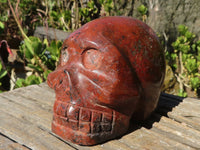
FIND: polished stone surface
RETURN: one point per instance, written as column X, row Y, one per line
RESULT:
column 111, row 70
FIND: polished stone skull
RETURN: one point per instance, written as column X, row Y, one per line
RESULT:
column 110, row 70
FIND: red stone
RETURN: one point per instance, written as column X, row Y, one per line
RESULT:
column 110, row 70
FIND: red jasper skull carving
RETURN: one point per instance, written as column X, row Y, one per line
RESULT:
column 110, row 70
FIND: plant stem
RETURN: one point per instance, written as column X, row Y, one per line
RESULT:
column 181, row 69
column 63, row 21
column 144, row 17
column 181, row 62
column 17, row 21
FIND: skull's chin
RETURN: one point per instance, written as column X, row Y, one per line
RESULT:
column 87, row 126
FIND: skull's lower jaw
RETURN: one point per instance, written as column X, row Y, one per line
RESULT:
column 91, row 132
column 83, row 138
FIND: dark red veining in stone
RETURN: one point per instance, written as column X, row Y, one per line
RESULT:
column 110, row 70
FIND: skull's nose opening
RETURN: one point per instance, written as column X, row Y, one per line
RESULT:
column 58, row 80
column 86, row 126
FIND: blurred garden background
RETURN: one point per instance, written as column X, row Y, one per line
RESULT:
column 32, row 32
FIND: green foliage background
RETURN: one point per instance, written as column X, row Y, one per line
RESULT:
column 68, row 15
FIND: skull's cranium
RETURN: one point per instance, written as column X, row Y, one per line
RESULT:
column 110, row 70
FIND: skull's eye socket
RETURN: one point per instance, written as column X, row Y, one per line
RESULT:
column 64, row 56
column 92, row 59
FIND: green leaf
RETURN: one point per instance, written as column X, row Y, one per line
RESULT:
column 3, row 1
column 182, row 93
column 46, row 43
column 184, row 57
column 198, row 49
column 182, row 29
column 198, row 58
column 182, row 39
column 67, row 15
column 174, row 66
column 189, row 35
column 36, row 45
column 198, row 42
column 55, row 15
column 1, row 66
column 36, row 68
column 1, row 25
column 142, row 9
column 90, row 4
column 195, row 82
column 54, row 48
column 173, row 56
column 193, row 47
column 33, row 79
column 46, row 73
column 29, row 53
column 2, row 73
column 185, row 48
column 191, row 65
column 20, row 83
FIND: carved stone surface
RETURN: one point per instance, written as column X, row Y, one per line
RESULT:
column 110, row 70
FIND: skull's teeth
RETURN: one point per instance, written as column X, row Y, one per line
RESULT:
column 72, row 112
column 83, row 119
column 85, row 115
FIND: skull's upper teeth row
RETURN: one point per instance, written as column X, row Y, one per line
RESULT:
column 83, row 119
